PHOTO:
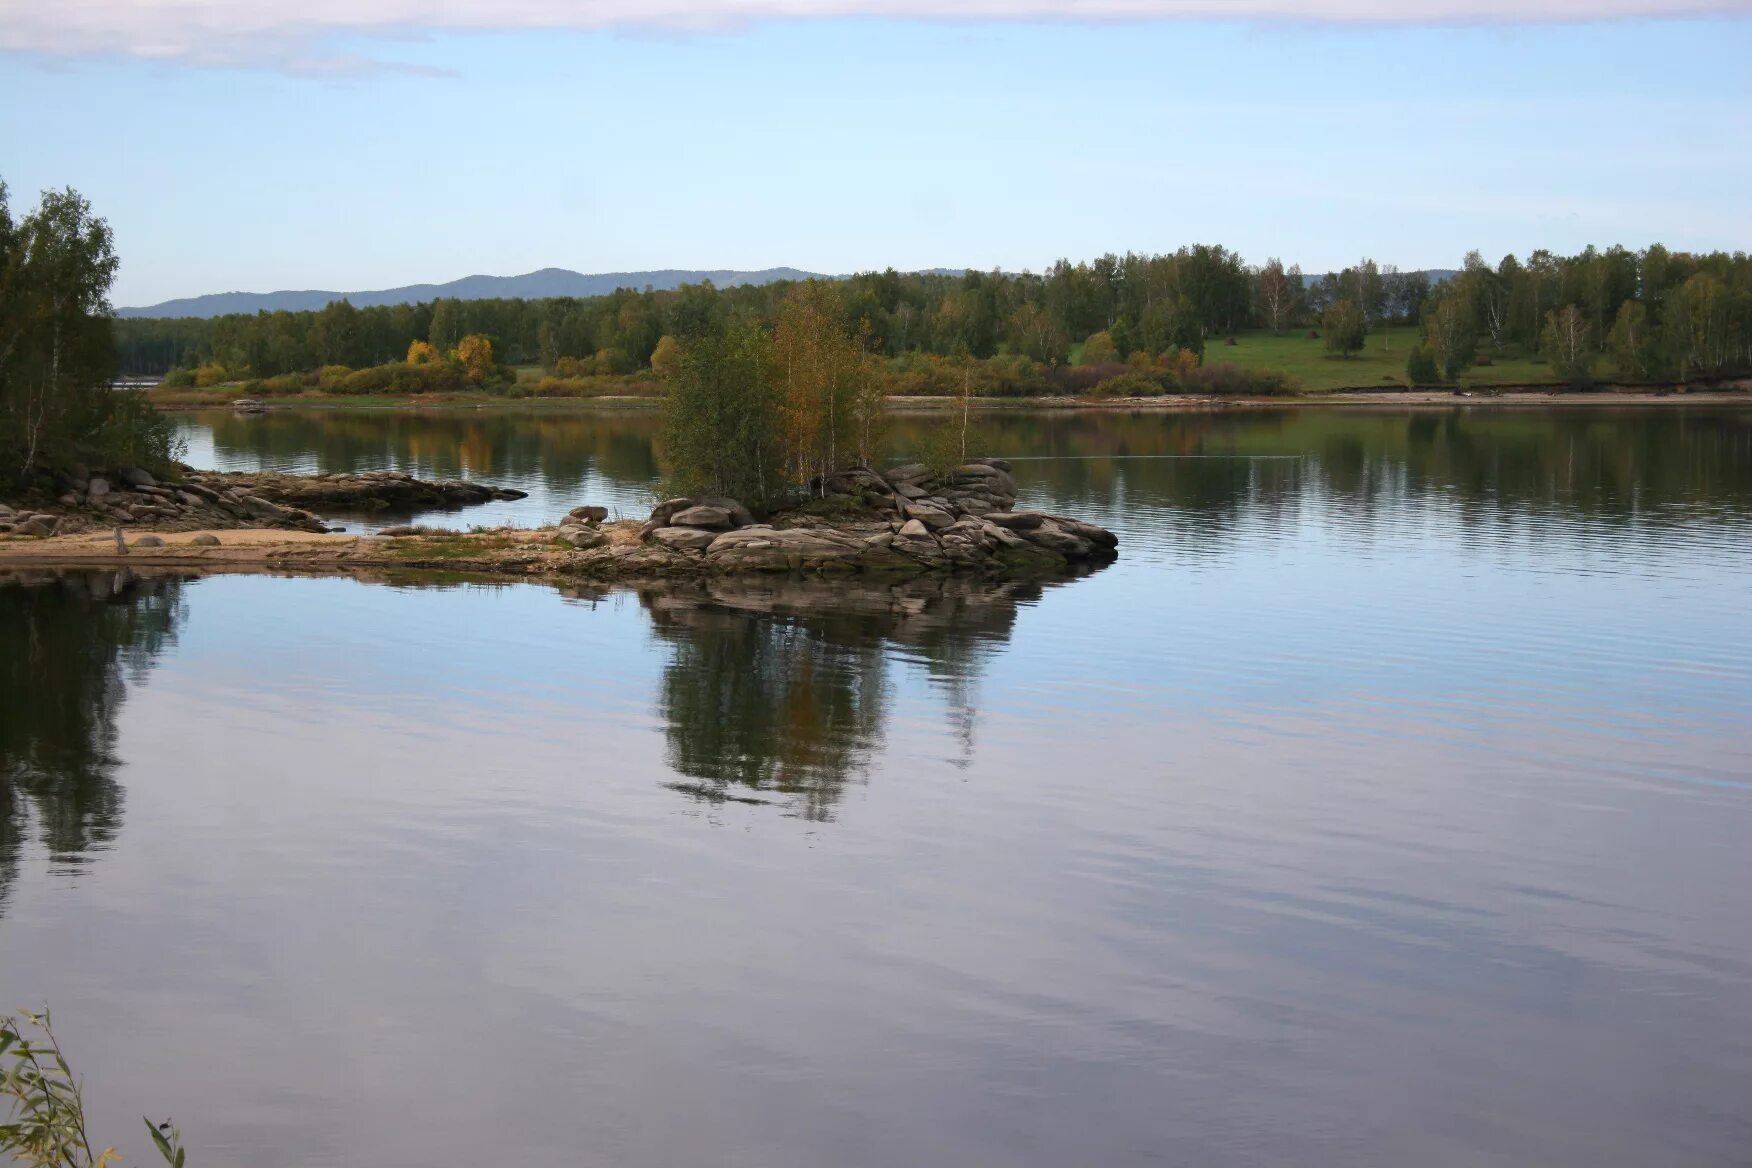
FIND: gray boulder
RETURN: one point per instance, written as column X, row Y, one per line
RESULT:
column 149, row 541
column 739, row 515
column 589, row 515
column 913, row 529
column 703, row 516
column 684, row 539
column 34, row 526
column 1016, row 520
column 664, row 511
column 205, row 539
column 781, row 550
column 580, row 536
column 930, row 516
column 261, row 508
column 135, row 477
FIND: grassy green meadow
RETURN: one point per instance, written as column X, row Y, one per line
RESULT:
column 1380, row 364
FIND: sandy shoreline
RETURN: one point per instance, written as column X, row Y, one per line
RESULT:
column 1737, row 393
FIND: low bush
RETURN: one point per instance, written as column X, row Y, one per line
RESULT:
column 1225, row 380
column 210, row 374
column 284, row 385
column 179, row 378
column 1082, row 379
column 1421, row 367
column 595, row 386
column 1129, row 385
column 927, row 375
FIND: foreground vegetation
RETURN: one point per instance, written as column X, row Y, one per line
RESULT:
column 46, row 1126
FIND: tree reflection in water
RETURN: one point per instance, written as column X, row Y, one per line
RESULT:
column 782, row 686
column 69, row 644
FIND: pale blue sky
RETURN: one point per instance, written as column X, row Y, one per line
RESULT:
column 851, row 143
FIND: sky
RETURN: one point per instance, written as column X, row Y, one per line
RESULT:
column 257, row 145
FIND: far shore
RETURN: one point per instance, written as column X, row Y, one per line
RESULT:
column 1738, row 392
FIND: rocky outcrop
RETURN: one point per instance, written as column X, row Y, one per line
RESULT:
column 904, row 521
column 377, row 490
column 211, row 499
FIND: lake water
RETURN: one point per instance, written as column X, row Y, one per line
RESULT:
column 1388, row 802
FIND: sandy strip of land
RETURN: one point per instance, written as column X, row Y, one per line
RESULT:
column 1728, row 393
column 248, row 546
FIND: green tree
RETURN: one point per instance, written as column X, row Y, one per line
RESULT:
column 57, row 349
column 1420, row 366
column 1276, row 292
column 1344, row 328
column 1698, row 324
column 666, row 357
column 1448, row 333
column 446, row 327
column 1568, row 343
column 1634, row 343
column 720, row 432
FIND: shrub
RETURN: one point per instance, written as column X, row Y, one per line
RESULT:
column 1099, row 349
column 1128, row 385
column 280, row 386
column 1181, row 362
column 1421, row 367
column 209, row 374
column 927, row 375
column 1345, row 328
column 135, row 434
column 1082, row 379
column 1225, row 380
column 179, row 379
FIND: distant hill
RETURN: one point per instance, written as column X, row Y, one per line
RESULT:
column 531, row 286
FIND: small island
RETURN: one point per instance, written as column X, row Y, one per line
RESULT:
column 906, row 521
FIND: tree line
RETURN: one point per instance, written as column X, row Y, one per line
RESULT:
column 1651, row 313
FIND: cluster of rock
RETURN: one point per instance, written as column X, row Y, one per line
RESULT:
column 906, row 520
column 27, row 522
column 582, row 527
column 135, row 498
column 377, row 490
column 213, row 499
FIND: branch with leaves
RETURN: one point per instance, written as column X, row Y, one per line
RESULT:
column 45, row 1125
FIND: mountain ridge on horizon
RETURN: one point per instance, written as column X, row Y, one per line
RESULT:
column 536, row 285
column 541, row 283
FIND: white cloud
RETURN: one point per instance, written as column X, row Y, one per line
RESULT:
column 287, row 32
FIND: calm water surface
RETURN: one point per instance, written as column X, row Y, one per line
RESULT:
column 1388, row 802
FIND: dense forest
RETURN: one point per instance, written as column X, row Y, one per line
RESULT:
column 1639, row 315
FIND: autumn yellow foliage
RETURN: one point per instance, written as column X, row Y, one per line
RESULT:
column 475, row 353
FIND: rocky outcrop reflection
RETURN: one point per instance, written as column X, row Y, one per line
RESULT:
column 70, row 643
column 778, row 690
